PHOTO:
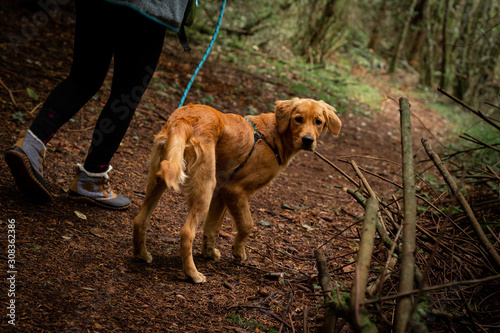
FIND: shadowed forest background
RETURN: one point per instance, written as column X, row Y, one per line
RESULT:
column 74, row 262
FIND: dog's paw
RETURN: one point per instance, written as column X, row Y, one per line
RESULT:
column 198, row 278
column 213, row 254
column 146, row 256
column 239, row 253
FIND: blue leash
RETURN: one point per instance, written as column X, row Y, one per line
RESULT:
column 223, row 6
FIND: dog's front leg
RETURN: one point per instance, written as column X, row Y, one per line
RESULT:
column 240, row 211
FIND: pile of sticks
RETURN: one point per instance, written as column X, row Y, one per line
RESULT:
column 441, row 268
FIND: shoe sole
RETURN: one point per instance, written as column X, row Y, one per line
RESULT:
column 80, row 198
column 25, row 179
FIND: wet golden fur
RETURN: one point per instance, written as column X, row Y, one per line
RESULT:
column 197, row 152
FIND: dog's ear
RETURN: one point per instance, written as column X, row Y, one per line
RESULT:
column 333, row 122
column 283, row 112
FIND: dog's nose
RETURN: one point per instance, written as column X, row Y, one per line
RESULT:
column 307, row 140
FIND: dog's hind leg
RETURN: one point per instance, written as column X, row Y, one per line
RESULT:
column 212, row 227
column 155, row 189
column 199, row 188
column 240, row 211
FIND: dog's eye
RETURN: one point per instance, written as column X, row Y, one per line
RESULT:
column 319, row 122
column 299, row 120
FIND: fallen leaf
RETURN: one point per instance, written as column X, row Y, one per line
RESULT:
column 32, row 94
column 308, row 227
column 80, row 215
column 286, row 206
column 325, row 217
column 97, row 232
column 265, row 223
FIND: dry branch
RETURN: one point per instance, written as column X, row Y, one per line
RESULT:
column 476, row 112
column 463, row 203
column 346, row 176
column 382, row 232
column 427, row 202
column 337, row 302
column 391, row 245
column 386, row 273
column 363, row 266
column 433, row 288
column 405, row 307
column 363, row 179
column 325, row 281
column 478, row 142
column 10, row 93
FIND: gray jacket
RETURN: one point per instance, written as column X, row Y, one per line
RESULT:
column 170, row 13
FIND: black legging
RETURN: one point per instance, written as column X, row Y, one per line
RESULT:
column 104, row 30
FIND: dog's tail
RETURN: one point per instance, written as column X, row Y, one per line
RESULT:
column 168, row 154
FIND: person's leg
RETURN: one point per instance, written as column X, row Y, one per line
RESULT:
column 93, row 50
column 91, row 59
column 138, row 45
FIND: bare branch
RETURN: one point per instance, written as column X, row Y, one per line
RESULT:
column 404, row 308
column 463, row 203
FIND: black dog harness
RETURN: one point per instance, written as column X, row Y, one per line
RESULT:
column 257, row 136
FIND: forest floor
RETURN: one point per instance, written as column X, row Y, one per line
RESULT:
column 75, row 270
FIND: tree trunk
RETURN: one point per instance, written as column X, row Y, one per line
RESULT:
column 428, row 61
column 418, row 21
column 316, row 25
column 481, row 57
column 402, row 37
column 444, row 57
column 378, row 24
column 464, row 41
column 416, row 50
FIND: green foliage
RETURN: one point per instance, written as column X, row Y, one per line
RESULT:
column 320, row 31
column 207, row 99
column 421, row 312
column 32, row 94
column 18, row 116
column 462, row 121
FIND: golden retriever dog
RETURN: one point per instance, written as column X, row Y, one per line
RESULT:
column 218, row 161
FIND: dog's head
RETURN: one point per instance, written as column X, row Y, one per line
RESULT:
column 306, row 119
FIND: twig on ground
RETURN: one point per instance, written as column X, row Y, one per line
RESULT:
column 432, row 288
column 264, row 310
column 36, row 107
column 275, row 263
column 10, row 93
